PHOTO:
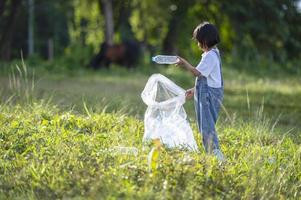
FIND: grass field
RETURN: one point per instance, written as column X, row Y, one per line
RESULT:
column 119, row 90
column 64, row 139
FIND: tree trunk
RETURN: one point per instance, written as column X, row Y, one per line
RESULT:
column 8, row 30
column 50, row 49
column 30, row 27
column 2, row 6
column 171, row 36
column 107, row 11
column 123, row 24
column 174, row 25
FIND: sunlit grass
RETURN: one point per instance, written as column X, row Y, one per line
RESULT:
column 49, row 153
column 119, row 89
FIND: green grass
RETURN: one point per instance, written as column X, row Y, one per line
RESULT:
column 61, row 137
column 47, row 154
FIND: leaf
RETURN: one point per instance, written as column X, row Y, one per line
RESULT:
column 153, row 157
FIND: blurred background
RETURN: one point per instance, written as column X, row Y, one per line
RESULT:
column 75, row 29
column 99, row 51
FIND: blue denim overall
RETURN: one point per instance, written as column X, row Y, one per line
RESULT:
column 207, row 101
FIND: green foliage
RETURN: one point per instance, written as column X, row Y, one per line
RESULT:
column 263, row 66
column 51, row 22
column 47, row 153
column 250, row 30
column 256, row 35
column 145, row 23
column 76, row 56
column 87, row 24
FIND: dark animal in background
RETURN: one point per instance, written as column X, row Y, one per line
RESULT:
column 125, row 54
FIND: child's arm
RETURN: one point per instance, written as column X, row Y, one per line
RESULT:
column 188, row 66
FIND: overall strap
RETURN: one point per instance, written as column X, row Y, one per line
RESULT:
column 220, row 65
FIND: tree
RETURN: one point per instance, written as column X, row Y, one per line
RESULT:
column 265, row 28
column 8, row 25
column 107, row 11
column 30, row 27
column 178, row 10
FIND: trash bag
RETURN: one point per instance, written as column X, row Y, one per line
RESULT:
column 165, row 117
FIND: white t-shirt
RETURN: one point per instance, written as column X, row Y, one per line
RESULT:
column 209, row 67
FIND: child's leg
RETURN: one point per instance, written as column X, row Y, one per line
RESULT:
column 209, row 115
column 210, row 141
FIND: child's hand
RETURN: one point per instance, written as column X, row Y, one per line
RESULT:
column 189, row 93
column 181, row 61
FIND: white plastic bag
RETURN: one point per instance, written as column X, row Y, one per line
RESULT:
column 165, row 117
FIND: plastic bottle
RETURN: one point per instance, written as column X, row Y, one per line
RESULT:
column 164, row 59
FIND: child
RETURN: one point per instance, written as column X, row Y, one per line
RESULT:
column 209, row 88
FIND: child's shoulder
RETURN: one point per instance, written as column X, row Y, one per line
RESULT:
column 211, row 54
